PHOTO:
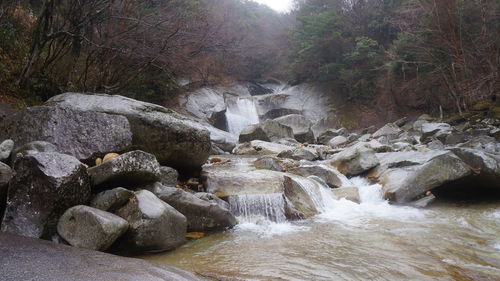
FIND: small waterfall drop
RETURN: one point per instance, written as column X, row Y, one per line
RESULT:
column 255, row 207
column 240, row 113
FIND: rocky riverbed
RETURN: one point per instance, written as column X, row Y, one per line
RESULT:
column 108, row 173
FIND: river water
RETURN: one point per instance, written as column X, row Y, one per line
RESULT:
column 348, row 241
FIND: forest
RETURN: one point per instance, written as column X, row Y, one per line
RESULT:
column 440, row 53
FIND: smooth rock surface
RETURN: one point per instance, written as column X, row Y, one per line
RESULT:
column 132, row 168
column 90, row 228
column 82, row 134
column 45, row 185
column 389, row 130
column 257, row 147
column 273, row 163
column 175, row 140
column 329, row 134
column 111, row 200
column 350, row 193
column 154, row 225
column 268, row 130
column 33, row 148
column 355, row 159
column 37, row 260
column 329, row 175
column 6, row 148
column 300, row 125
column 300, row 153
column 201, row 215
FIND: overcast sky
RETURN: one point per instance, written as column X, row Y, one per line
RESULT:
column 279, row 5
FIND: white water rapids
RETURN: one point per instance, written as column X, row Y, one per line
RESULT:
column 240, row 113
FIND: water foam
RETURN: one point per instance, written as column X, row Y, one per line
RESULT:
column 241, row 113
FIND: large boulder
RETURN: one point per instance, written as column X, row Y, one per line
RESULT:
column 337, row 141
column 82, row 134
column 6, row 148
column 201, row 215
column 300, row 125
column 168, row 176
column 350, row 193
column 45, row 185
column 257, row 147
column 86, row 227
column 329, row 175
column 154, row 225
column 129, row 169
column 268, row 130
column 112, row 200
column 34, row 259
column 407, row 175
column 33, row 148
column 481, row 161
column 303, row 195
column 355, row 159
column 437, row 130
column 174, row 140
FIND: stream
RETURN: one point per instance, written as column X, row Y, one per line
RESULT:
column 348, row 241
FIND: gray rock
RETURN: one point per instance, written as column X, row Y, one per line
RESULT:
column 288, row 141
column 407, row 175
column 350, row 193
column 6, row 175
column 257, row 147
column 112, row 200
column 337, row 141
column 435, row 144
column 355, row 159
column 168, row 176
column 401, row 122
column 174, row 140
column 329, row 134
column 6, row 148
column 201, row 215
column 423, row 202
column 154, row 225
column 329, row 175
column 379, row 147
column 273, row 163
column 89, row 228
column 268, row 130
column 82, row 134
column 401, row 146
column 129, row 169
column 45, row 185
column 437, row 130
column 485, row 143
column 300, row 153
column 35, row 259
column 209, row 197
column 33, row 148
column 300, row 125
column 298, row 191
column 479, row 160
column 390, row 130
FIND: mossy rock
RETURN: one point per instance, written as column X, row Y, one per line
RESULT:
column 482, row 106
column 495, row 112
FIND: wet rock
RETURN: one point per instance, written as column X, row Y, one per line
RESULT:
column 112, row 200
column 329, row 175
column 298, row 191
column 175, row 140
column 45, row 185
column 435, row 144
column 168, row 176
column 154, row 225
column 223, row 140
column 300, row 153
column 423, row 202
column 329, row 134
column 6, row 148
column 236, row 179
column 300, row 125
column 34, row 259
column 407, row 175
column 201, row 215
column 355, row 159
column 268, row 130
column 273, row 163
column 257, row 147
column 129, row 169
column 348, row 193
column 390, row 130
column 337, row 141
column 82, row 134
column 209, row 197
column 90, row 228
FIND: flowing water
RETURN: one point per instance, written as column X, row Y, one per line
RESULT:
column 348, row 241
column 240, row 113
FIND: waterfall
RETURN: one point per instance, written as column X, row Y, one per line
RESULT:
column 240, row 113
column 252, row 207
column 317, row 191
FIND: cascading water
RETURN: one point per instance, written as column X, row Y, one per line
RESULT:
column 254, row 207
column 240, row 113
